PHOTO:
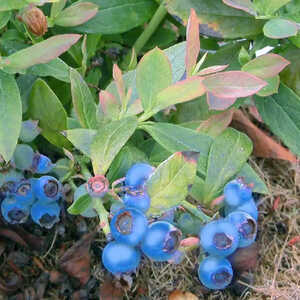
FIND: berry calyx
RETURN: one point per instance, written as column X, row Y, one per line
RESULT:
column 97, row 186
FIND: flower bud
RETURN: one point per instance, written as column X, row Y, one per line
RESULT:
column 97, row 186
column 35, row 20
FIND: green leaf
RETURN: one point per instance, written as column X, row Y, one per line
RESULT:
column 251, row 177
column 46, row 107
column 81, row 139
column 280, row 112
column 12, row 4
column 109, row 140
column 152, row 76
column 280, row 28
column 266, row 66
column 83, row 101
column 42, row 52
column 4, row 18
column 76, row 14
column 80, row 205
column 271, row 88
column 57, row 7
column 117, row 16
column 268, row 7
column 168, row 186
column 227, row 155
column 56, row 68
column 217, row 19
column 10, row 115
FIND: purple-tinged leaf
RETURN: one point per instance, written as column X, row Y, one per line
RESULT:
column 233, row 84
column 117, row 75
column 109, row 107
column 211, row 70
column 266, row 66
column 40, row 53
column 245, row 5
column 76, row 14
column 218, row 103
column 193, row 42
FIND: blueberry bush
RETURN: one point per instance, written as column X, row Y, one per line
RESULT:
column 141, row 116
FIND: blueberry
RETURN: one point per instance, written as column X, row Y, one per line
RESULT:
column 248, row 207
column 215, row 272
column 138, row 200
column 236, row 193
column 246, row 226
column 23, row 192
column 128, row 226
column 219, row 238
column 138, row 174
column 120, row 258
column 161, row 241
column 45, row 214
column 9, row 184
column 47, row 188
column 14, row 211
column 41, row 164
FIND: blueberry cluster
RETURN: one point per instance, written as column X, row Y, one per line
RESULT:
column 36, row 197
column 131, row 232
column 221, row 238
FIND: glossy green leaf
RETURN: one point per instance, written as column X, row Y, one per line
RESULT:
column 271, row 88
column 109, row 140
column 280, row 28
column 81, row 139
column 56, row 68
column 80, row 205
column 217, row 19
column 83, row 101
column 76, row 14
column 42, row 52
column 266, row 66
column 57, row 7
column 227, row 155
column 45, row 107
column 12, row 4
column 10, row 115
column 280, row 112
column 117, row 16
column 153, row 75
column 4, row 18
column 168, row 186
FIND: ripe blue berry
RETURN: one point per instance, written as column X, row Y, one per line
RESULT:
column 161, row 241
column 138, row 174
column 245, row 225
column 215, row 272
column 236, row 193
column 248, row 207
column 47, row 189
column 23, row 192
column 14, row 211
column 128, row 226
column 138, row 200
column 41, row 164
column 219, row 238
column 120, row 258
column 45, row 215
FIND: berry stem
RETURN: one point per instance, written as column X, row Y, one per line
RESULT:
column 197, row 212
column 103, row 215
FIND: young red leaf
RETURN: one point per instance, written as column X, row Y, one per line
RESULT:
column 109, row 106
column 266, row 66
column 233, row 84
column 264, row 146
column 193, row 42
column 212, row 69
column 245, row 5
column 218, row 103
column 41, row 53
column 76, row 14
column 117, row 75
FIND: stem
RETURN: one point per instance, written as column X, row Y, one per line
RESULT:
column 103, row 215
column 196, row 212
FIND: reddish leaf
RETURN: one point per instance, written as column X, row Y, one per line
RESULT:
column 294, row 240
column 211, row 70
column 179, row 295
column 254, row 112
column 109, row 291
column 264, row 146
column 245, row 5
column 109, row 105
column 218, row 103
column 189, row 242
column 193, row 42
column 266, row 66
column 117, row 75
column 233, row 84
column 76, row 260
column 276, row 203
